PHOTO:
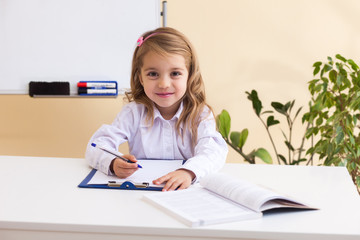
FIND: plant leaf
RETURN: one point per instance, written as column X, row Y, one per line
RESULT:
column 271, row 121
column 316, row 70
column 290, row 147
column 235, row 138
column 256, row 103
column 338, row 56
column 317, row 64
column 282, row 159
column 223, row 122
column 263, row 155
column 297, row 162
column 327, row 67
column 279, row 107
column 353, row 65
column 243, row 137
column 339, row 134
column 297, row 113
column 332, row 75
column 288, row 106
column 265, row 112
column 330, row 60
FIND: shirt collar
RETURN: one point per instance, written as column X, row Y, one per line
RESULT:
column 158, row 117
column 157, row 113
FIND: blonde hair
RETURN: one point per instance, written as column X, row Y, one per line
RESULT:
column 165, row 41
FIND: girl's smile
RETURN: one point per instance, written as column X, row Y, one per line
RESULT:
column 164, row 95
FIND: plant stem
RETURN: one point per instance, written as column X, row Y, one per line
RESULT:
column 271, row 139
column 302, row 142
column 290, row 136
column 312, row 145
column 246, row 157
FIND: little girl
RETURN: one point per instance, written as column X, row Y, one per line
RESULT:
column 167, row 116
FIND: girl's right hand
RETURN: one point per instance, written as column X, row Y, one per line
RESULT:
column 123, row 169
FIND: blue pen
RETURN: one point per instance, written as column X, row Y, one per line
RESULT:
column 115, row 153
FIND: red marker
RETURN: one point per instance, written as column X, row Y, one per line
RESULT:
column 97, row 84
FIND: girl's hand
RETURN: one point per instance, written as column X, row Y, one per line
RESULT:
column 180, row 179
column 123, row 169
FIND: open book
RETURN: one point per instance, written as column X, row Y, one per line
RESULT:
column 221, row 199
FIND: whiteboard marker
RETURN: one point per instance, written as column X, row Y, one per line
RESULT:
column 95, row 84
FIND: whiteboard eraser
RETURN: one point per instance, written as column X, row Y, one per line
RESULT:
column 49, row 88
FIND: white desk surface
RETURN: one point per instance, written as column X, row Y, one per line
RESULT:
column 40, row 200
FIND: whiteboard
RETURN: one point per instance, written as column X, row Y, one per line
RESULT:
column 70, row 40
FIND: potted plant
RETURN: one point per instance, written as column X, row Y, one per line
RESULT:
column 333, row 120
column 334, row 111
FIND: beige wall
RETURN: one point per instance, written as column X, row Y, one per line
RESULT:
column 57, row 127
column 242, row 45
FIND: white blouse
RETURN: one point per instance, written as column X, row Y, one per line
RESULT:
column 160, row 141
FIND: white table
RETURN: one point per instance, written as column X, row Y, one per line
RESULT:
column 40, row 200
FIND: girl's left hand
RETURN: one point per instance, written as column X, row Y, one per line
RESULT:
column 179, row 179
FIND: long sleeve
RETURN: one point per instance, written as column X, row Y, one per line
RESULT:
column 110, row 136
column 210, row 151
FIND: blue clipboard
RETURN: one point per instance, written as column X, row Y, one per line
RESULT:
column 126, row 185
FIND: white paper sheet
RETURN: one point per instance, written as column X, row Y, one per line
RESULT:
column 151, row 170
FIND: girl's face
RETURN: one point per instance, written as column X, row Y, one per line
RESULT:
column 164, row 79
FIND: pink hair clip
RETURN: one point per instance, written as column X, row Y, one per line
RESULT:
column 141, row 39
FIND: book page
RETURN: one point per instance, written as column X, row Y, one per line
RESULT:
column 198, row 206
column 246, row 193
column 151, row 170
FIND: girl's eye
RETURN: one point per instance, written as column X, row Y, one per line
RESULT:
column 152, row 74
column 175, row 74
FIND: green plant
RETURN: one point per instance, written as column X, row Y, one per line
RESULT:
column 335, row 113
column 237, row 139
column 294, row 156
